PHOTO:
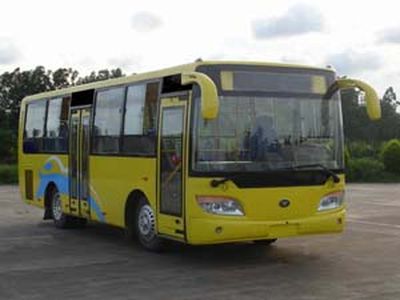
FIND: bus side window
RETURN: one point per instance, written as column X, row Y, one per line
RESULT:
column 34, row 127
column 57, row 125
column 64, row 124
column 140, row 119
column 108, row 120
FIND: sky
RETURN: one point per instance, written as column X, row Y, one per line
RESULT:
column 360, row 39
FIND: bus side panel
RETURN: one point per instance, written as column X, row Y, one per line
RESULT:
column 21, row 158
column 37, row 171
column 112, row 179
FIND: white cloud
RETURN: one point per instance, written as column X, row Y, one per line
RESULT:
column 299, row 19
column 125, row 62
column 8, row 52
column 390, row 35
column 350, row 62
column 139, row 35
column 145, row 21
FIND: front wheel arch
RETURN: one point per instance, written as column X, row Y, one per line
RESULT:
column 135, row 201
column 131, row 206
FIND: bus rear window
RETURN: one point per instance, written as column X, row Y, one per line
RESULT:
column 34, row 126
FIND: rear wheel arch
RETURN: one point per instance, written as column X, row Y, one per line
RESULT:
column 48, row 214
column 64, row 220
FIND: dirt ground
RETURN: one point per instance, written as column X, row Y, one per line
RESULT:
column 38, row 261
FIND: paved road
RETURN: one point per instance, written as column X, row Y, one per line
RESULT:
column 38, row 261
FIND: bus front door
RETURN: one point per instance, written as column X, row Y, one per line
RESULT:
column 79, row 147
column 171, row 168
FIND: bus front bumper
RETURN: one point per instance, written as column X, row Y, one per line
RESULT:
column 224, row 230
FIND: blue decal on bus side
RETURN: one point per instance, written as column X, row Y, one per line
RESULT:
column 62, row 183
column 94, row 206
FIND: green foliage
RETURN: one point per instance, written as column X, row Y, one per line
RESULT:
column 101, row 75
column 357, row 125
column 366, row 164
column 363, row 155
column 7, row 146
column 8, row 174
column 63, row 77
column 360, row 149
column 364, row 138
column 347, row 155
column 364, row 170
column 17, row 84
column 391, row 156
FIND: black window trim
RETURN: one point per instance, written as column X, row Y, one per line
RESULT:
column 66, row 152
column 196, row 93
column 25, row 121
column 92, row 151
column 160, row 95
column 125, row 86
column 45, row 126
column 141, row 154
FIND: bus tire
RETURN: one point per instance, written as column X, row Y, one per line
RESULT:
column 145, row 225
column 60, row 219
column 265, row 242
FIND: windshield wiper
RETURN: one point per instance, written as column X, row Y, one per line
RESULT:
column 324, row 169
column 217, row 182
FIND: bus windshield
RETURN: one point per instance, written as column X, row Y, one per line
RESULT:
column 258, row 132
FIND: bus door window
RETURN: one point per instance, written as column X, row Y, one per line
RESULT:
column 171, row 160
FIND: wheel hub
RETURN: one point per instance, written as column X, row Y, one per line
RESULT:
column 57, row 209
column 146, row 222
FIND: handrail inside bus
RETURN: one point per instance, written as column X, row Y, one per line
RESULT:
column 209, row 94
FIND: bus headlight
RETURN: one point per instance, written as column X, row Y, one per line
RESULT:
column 220, row 205
column 331, row 201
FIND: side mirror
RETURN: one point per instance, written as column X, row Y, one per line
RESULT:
column 371, row 97
column 209, row 95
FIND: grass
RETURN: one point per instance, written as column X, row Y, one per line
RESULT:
column 8, row 174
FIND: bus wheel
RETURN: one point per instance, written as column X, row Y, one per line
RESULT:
column 265, row 242
column 61, row 220
column 146, row 227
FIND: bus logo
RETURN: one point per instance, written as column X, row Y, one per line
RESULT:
column 284, row 203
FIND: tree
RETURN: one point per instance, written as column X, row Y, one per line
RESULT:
column 101, row 75
column 63, row 77
column 16, row 85
column 391, row 156
column 357, row 125
column 390, row 97
column 7, row 146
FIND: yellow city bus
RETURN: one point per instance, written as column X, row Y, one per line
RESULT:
column 203, row 153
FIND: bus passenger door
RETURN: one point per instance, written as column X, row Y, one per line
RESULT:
column 171, row 167
column 79, row 147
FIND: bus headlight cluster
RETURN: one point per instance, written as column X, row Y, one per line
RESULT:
column 220, row 205
column 331, row 201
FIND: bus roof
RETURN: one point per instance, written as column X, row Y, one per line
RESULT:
column 158, row 74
